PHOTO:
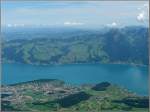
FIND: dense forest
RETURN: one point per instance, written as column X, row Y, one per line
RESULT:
column 58, row 46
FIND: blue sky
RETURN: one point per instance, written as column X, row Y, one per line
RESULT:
column 88, row 14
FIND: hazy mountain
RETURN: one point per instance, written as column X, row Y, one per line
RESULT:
column 63, row 45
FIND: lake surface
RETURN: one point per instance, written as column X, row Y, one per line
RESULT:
column 134, row 78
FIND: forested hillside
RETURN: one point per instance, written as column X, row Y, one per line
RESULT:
column 113, row 45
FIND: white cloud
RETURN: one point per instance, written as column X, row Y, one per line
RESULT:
column 146, row 5
column 9, row 25
column 73, row 23
column 139, row 8
column 143, row 15
column 22, row 25
column 113, row 24
column 15, row 25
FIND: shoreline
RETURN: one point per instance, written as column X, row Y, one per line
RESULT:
column 115, row 63
column 75, row 85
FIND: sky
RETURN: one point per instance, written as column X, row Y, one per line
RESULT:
column 77, row 13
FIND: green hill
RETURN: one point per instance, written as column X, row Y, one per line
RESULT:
column 120, row 45
column 53, row 96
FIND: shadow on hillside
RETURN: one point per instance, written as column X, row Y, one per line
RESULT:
column 101, row 86
column 66, row 101
column 135, row 102
column 73, row 99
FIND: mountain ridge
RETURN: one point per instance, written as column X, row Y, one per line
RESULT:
column 125, row 45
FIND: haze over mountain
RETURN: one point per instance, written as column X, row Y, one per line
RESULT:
column 75, row 45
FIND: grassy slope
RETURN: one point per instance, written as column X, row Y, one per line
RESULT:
column 33, row 97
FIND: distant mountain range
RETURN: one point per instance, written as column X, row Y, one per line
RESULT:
column 75, row 45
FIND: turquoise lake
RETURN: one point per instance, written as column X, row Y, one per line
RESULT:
column 134, row 78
